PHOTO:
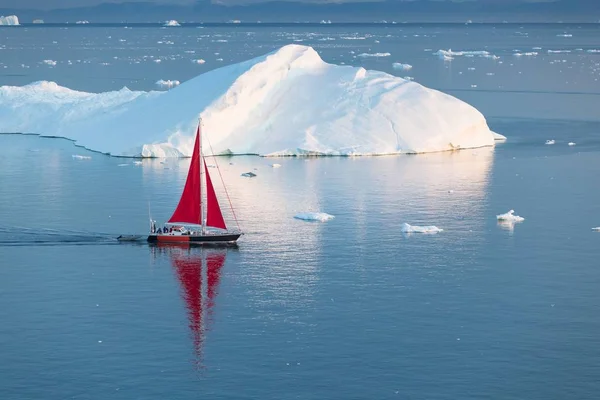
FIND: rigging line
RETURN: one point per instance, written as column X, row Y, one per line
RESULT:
column 223, row 182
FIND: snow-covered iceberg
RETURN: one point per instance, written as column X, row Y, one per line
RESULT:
column 288, row 102
column 9, row 20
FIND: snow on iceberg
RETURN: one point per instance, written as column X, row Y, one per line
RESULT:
column 406, row 228
column 314, row 216
column 509, row 217
column 288, row 102
column 12, row 20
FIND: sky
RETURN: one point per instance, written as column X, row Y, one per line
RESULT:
column 53, row 4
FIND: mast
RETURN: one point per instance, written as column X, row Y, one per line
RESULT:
column 201, row 173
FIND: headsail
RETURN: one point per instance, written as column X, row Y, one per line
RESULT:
column 188, row 210
column 214, row 217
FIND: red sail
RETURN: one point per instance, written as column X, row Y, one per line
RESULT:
column 214, row 217
column 188, row 209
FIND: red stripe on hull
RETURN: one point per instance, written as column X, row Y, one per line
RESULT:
column 172, row 239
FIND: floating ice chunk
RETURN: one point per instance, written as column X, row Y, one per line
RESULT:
column 529, row 54
column 509, row 217
column 314, row 216
column 80, row 157
column 52, row 63
column 550, row 141
column 249, row 174
column 82, row 22
column 406, row 228
column 572, row 143
column 275, row 165
column 401, row 67
column 564, row 35
column 325, row 22
column 9, row 20
column 558, row 51
column 593, row 51
column 596, row 229
column 199, row 61
column 167, row 84
column 158, row 60
column 122, row 165
column 172, row 22
column 448, row 54
column 365, row 55
column 137, row 163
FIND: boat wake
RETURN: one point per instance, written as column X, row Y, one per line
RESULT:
column 19, row 236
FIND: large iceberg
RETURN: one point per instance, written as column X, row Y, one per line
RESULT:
column 288, row 102
column 9, row 20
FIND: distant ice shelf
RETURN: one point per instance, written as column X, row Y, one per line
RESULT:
column 285, row 103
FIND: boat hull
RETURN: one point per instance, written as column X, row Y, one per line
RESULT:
column 227, row 238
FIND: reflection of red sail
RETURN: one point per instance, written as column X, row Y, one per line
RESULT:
column 214, row 262
column 189, row 272
column 198, row 293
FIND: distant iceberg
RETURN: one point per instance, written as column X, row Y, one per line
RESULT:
column 406, row 228
column 9, row 20
column 509, row 217
column 171, row 22
column 314, row 216
column 286, row 103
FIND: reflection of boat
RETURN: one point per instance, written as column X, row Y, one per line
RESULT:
column 193, row 215
column 199, row 272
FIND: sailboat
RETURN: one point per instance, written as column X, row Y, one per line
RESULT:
column 196, row 220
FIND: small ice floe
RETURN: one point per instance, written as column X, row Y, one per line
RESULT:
column 550, row 141
column 509, row 217
column 171, row 22
column 572, row 143
column 167, row 84
column 137, row 163
column 365, row 55
column 122, row 165
column 51, row 63
column 275, row 165
column 314, row 216
column 80, row 157
column 199, row 61
column 564, row 35
column 158, row 61
column 596, row 229
column 249, row 174
column 401, row 67
column 406, row 228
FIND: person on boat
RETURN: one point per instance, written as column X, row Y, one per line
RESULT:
column 159, row 231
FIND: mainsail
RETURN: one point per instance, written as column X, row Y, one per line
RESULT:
column 188, row 210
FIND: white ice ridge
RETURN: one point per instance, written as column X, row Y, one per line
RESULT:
column 314, row 216
column 9, row 20
column 510, row 217
column 406, row 228
column 288, row 102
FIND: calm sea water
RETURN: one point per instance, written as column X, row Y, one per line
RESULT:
column 350, row 308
